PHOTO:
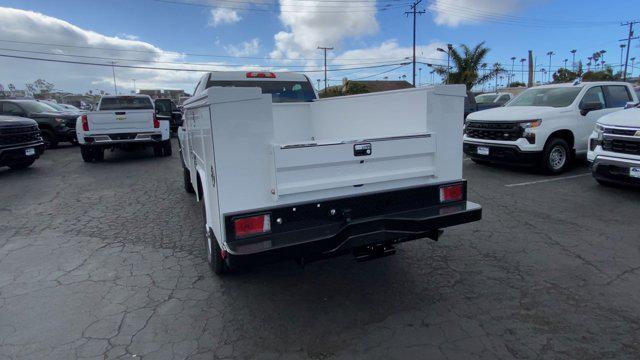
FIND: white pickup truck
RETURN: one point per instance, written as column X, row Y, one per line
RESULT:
column 122, row 121
column 614, row 148
column 282, row 175
column 546, row 125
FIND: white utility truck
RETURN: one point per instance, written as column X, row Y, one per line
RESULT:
column 614, row 147
column 122, row 121
column 281, row 174
column 545, row 125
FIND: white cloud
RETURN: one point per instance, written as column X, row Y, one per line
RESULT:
column 221, row 16
column 129, row 36
column 316, row 23
column 247, row 48
column 455, row 12
column 28, row 26
column 391, row 51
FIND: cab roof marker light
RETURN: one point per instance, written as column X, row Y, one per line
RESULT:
column 261, row 75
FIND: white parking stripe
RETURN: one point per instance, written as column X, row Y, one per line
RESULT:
column 548, row 180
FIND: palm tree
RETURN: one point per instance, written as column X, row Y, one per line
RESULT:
column 467, row 63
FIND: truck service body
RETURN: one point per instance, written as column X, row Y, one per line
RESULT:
column 281, row 174
column 121, row 121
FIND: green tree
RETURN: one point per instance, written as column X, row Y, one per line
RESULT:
column 466, row 66
column 517, row 84
column 602, row 75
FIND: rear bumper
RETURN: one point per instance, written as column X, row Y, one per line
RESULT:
column 323, row 236
column 509, row 154
column 122, row 138
column 17, row 153
column 615, row 170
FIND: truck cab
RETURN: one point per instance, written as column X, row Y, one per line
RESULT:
column 282, row 175
column 547, row 126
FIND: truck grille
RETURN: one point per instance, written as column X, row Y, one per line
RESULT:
column 504, row 131
column 71, row 123
column 621, row 146
column 19, row 135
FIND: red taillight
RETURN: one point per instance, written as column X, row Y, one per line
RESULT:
column 261, row 75
column 252, row 225
column 450, row 193
column 156, row 123
column 85, row 123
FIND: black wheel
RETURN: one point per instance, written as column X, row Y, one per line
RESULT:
column 157, row 150
column 166, row 148
column 87, row 153
column 211, row 246
column 49, row 139
column 98, row 154
column 22, row 164
column 556, row 156
column 188, row 187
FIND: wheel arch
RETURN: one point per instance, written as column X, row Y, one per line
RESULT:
column 564, row 134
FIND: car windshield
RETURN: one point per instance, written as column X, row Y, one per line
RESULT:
column 36, row 107
column 126, row 103
column 547, row 96
column 486, row 98
column 281, row 91
column 55, row 106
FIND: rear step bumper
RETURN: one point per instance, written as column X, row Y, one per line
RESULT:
column 377, row 234
column 122, row 138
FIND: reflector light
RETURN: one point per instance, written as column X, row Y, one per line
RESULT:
column 450, row 193
column 252, row 225
column 85, row 123
column 261, row 75
column 156, row 123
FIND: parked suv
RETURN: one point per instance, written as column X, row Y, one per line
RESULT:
column 20, row 142
column 545, row 125
column 614, row 148
column 54, row 126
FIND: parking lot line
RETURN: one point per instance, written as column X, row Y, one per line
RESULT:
column 547, row 180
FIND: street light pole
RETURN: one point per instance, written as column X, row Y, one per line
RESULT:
column 522, row 68
column 513, row 64
column 573, row 61
column 113, row 70
column 550, row 53
column 134, row 85
column 633, row 60
column 448, row 52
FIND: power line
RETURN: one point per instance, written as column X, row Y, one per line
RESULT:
column 172, row 69
column 380, row 73
column 628, row 40
column 337, row 8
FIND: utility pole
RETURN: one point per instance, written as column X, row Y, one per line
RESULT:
column 134, row 85
column 325, row 64
column 573, row 62
column 318, row 84
column 531, row 70
column 565, row 64
column 628, row 39
column 113, row 70
column 419, row 76
column 414, row 11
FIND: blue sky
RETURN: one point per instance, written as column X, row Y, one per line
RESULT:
column 245, row 32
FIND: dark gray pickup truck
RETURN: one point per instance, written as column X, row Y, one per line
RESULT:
column 20, row 142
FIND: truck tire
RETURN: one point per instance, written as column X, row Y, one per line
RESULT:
column 22, row 164
column 98, row 154
column 157, row 150
column 188, row 187
column 87, row 153
column 556, row 156
column 214, row 253
column 49, row 139
column 166, row 148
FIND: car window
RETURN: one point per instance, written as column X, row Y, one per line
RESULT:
column 163, row 107
column 37, row 107
column 593, row 95
column 11, row 109
column 126, row 103
column 547, row 96
column 485, row 98
column 281, row 91
column 503, row 99
column 617, row 96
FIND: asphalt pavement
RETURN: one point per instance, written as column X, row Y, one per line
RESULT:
column 106, row 260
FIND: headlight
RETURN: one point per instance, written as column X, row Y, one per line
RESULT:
column 530, row 124
column 599, row 129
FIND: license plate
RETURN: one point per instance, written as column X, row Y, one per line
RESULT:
column 634, row 172
column 120, row 118
column 30, row 151
column 482, row 150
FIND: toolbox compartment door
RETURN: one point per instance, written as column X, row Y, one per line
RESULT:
column 314, row 166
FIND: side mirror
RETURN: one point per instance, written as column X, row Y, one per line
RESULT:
column 630, row 105
column 589, row 107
